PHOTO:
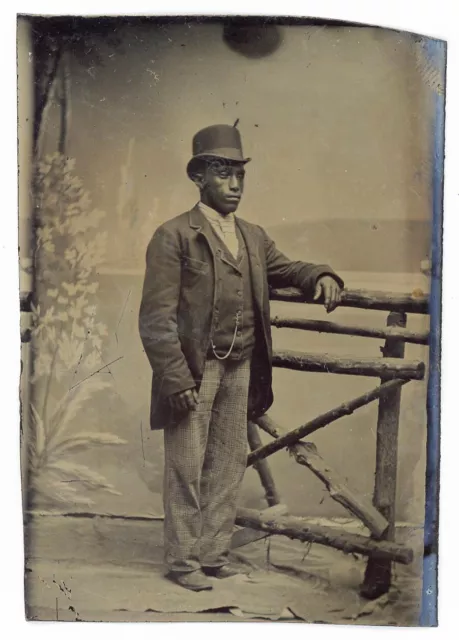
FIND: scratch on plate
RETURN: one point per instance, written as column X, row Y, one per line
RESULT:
column 94, row 372
column 121, row 315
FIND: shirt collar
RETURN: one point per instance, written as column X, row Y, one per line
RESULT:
column 215, row 217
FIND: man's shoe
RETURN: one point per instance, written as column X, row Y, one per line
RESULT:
column 226, row 571
column 192, row 580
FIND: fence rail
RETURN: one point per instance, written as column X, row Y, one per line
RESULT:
column 373, row 367
column 363, row 299
column 299, row 529
column 393, row 371
column 344, row 409
column 323, row 326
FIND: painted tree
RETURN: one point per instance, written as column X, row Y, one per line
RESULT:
column 59, row 42
column 67, row 339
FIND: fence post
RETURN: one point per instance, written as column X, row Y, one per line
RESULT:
column 378, row 572
column 262, row 467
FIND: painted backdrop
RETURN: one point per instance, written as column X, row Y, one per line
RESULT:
column 338, row 122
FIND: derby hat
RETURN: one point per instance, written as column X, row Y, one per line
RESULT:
column 217, row 141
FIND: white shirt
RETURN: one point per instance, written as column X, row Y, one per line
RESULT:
column 224, row 227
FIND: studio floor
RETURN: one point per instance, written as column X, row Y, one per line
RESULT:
column 110, row 569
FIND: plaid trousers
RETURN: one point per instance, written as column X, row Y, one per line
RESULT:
column 205, row 460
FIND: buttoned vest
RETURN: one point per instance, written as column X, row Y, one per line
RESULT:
column 234, row 331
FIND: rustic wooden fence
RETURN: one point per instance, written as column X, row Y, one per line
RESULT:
column 393, row 371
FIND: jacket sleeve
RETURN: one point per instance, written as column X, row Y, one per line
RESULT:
column 158, row 314
column 283, row 272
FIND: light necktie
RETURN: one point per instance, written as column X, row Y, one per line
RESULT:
column 228, row 228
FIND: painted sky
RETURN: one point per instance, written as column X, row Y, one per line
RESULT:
column 336, row 120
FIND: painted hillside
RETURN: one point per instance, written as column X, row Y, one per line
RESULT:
column 389, row 246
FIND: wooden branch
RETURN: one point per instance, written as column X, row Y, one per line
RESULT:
column 298, row 529
column 269, row 426
column 363, row 299
column 373, row 367
column 305, row 453
column 322, row 326
column 262, row 466
column 246, row 535
column 345, row 409
column 378, row 574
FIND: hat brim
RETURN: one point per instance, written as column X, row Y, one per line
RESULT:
column 227, row 155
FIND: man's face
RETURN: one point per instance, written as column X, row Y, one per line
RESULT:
column 222, row 184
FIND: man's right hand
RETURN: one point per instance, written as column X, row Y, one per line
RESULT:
column 184, row 400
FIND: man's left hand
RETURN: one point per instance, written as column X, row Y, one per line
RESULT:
column 328, row 289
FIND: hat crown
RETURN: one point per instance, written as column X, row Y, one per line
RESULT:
column 217, row 141
column 218, row 137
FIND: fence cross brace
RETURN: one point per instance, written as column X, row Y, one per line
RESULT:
column 306, row 454
column 346, row 408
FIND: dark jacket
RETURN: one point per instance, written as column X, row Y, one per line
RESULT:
column 178, row 301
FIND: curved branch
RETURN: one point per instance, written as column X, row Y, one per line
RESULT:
column 43, row 104
column 64, row 103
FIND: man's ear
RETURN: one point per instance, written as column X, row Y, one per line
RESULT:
column 199, row 179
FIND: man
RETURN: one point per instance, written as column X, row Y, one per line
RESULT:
column 205, row 326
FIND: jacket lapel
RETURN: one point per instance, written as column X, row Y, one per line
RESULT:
column 199, row 222
column 254, row 260
column 196, row 218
